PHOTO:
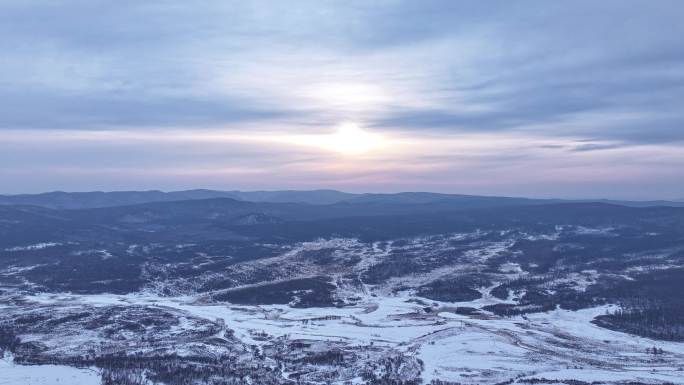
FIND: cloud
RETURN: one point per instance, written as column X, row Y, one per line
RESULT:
column 554, row 73
column 463, row 66
column 597, row 147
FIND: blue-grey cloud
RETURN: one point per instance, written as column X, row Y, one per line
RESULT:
column 85, row 64
column 58, row 110
column 596, row 147
column 580, row 77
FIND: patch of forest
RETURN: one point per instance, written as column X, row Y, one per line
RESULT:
column 303, row 292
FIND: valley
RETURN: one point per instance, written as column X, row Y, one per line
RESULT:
column 563, row 293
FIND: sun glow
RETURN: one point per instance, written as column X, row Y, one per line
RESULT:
column 349, row 139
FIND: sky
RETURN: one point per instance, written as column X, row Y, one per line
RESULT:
column 568, row 99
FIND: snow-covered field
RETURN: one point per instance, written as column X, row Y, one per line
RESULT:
column 383, row 326
column 11, row 374
column 557, row 345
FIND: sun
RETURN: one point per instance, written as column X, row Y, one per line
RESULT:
column 347, row 139
column 352, row 139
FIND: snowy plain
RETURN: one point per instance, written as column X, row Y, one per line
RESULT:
column 12, row 374
column 557, row 345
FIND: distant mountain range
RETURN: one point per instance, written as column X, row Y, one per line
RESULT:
column 99, row 199
column 95, row 199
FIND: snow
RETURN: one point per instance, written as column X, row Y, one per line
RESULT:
column 37, row 246
column 559, row 344
column 508, row 268
column 12, row 374
column 457, row 354
column 581, row 230
column 590, row 375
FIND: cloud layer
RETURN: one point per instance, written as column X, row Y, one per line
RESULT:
column 584, row 82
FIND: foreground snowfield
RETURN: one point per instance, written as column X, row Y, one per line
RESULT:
column 11, row 374
column 557, row 345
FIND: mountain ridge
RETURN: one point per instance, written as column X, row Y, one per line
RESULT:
column 98, row 199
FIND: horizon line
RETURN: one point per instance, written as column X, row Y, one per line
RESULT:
column 164, row 191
